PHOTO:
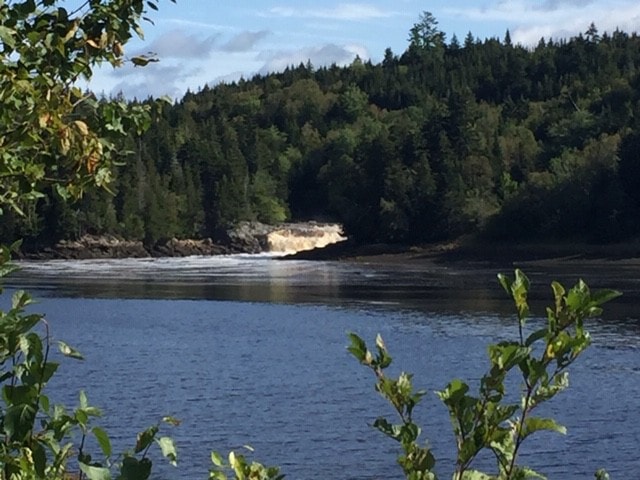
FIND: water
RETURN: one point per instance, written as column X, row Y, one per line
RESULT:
column 250, row 350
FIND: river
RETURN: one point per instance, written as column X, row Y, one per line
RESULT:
column 252, row 350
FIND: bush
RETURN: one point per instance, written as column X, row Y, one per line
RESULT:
column 487, row 420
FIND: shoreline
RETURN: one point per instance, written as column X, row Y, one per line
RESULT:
column 480, row 254
column 467, row 251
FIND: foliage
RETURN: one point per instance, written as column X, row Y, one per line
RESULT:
column 53, row 133
column 422, row 145
column 240, row 468
column 38, row 440
column 444, row 139
column 489, row 420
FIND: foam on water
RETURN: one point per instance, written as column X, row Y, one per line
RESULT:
column 258, row 267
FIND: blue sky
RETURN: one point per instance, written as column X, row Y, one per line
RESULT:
column 205, row 41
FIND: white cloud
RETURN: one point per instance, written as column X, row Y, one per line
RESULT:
column 244, row 41
column 556, row 4
column 228, row 78
column 192, row 24
column 344, row 11
column 529, row 21
column 319, row 56
column 178, row 44
column 156, row 79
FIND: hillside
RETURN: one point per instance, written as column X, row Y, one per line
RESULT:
column 446, row 138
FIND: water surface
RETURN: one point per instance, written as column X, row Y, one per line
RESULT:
column 252, row 350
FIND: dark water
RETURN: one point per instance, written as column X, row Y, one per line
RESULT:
column 248, row 350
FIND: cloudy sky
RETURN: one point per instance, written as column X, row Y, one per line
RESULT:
column 206, row 42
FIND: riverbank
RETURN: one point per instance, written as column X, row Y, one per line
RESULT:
column 253, row 237
column 473, row 252
column 245, row 237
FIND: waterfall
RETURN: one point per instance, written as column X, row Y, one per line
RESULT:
column 296, row 237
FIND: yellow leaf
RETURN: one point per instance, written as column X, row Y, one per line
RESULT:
column 92, row 162
column 72, row 31
column 65, row 145
column 118, row 50
column 82, row 127
column 550, row 352
column 92, row 43
column 44, row 119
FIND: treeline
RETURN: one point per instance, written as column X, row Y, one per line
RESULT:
column 446, row 138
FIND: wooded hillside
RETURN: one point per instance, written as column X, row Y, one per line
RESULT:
column 446, row 138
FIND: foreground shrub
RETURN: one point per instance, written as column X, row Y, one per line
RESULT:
column 487, row 420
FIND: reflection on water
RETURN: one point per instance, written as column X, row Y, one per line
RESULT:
column 252, row 350
column 421, row 286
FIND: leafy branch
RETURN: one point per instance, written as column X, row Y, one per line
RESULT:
column 487, row 421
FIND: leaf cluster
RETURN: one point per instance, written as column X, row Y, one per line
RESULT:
column 488, row 420
column 53, row 133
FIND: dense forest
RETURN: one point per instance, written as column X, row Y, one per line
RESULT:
column 447, row 138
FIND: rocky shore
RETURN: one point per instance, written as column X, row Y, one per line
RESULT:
column 111, row 246
column 246, row 237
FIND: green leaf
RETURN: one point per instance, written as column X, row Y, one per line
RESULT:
column 39, row 459
column 19, row 394
column 237, row 463
column 95, row 473
column 68, row 351
column 453, row 392
column 7, row 36
column 44, row 403
column 84, row 402
column 168, row 448
column 604, row 296
column 535, row 424
column 558, row 293
column 8, row 268
column 384, row 359
column 134, row 469
column 143, row 61
column 48, row 370
column 404, row 433
column 145, row 438
column 476, row 475
column 18, row 421
column 506, row 355
column 103, row 440
column 171, row 421
column 577, row 296
column 358, row 347
column 505, row 282
column 216, row 459
column 529, row 473
column 20, row 300
column 535, row 336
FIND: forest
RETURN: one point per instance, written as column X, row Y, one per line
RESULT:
column 482, row 137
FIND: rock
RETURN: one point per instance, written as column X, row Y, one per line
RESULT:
column 245, row 237
column 256, row 237
column 96, row 246
column 184, row 248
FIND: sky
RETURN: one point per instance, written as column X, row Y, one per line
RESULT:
column 205, row 42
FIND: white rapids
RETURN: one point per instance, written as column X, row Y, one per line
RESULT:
column 297, row 238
